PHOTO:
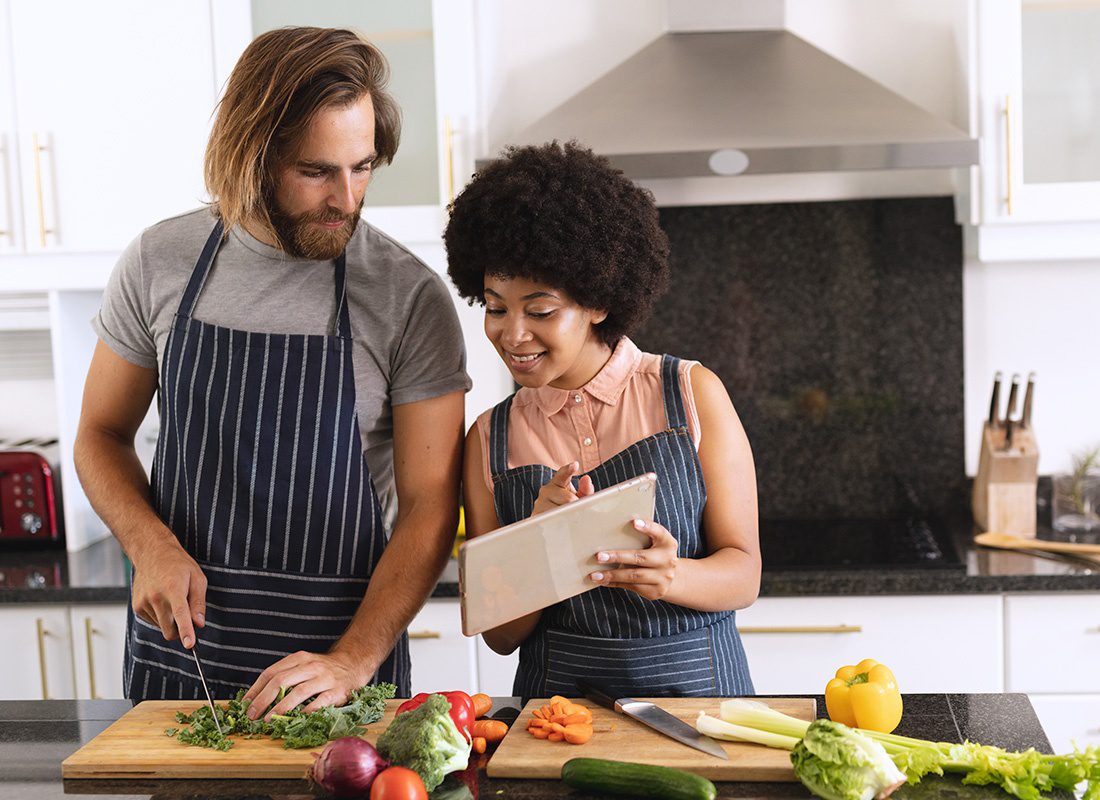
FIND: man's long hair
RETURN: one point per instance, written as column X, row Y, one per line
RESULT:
column 282, row 80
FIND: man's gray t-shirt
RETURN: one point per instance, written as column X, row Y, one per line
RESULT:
column 407, row 342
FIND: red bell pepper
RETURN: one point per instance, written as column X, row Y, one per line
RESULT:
column 462, row 709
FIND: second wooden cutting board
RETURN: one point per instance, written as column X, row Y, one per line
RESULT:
column 620, row 738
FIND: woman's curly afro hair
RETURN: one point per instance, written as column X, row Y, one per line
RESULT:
column 561, row 216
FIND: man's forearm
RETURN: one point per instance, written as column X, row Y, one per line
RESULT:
column 118, row 489
column 402, row 580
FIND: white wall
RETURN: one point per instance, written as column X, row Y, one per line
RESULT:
column 551, row 50
column 1024, row 316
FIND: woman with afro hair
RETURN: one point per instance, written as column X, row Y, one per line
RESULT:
column 567, row 256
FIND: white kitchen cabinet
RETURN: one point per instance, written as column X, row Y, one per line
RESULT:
column 36, row 662
column 795, row 644
column 1053, row 642
column 442, row 658
column 1069, row 720
column 99, row 643
column 105, row 119
column 1037, row 96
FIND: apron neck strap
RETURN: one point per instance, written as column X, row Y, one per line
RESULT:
column 206, row 260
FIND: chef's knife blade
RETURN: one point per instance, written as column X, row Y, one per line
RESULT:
column 995, row 402
column 202, row 679
column 1025, row 419
column 653, row 717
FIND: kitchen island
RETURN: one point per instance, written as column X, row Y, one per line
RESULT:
column 36, row 736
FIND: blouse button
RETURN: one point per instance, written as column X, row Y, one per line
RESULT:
column 587, row 441
column 576, row 398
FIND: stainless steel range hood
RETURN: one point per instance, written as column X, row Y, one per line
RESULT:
column 748, row 102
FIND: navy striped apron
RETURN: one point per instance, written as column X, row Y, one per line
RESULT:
column 638, row 647
column 260, row 474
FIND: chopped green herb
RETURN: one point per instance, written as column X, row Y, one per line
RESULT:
column 296, row 728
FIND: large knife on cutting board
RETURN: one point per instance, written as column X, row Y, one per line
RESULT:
column 651, row 716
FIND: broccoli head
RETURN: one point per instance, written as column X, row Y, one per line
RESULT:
column 426, row 741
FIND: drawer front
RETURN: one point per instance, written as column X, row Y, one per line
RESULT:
column 932, row 643
column 442, row 658
column 1053, row 642
column 1069, row 720
column 99, row 643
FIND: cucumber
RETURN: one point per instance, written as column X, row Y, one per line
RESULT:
column 637, row 780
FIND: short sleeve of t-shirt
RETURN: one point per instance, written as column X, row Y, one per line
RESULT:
column 431, row 357
column 123, row 321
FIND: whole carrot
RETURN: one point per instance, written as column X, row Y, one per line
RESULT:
column 492, row 730
column 483, row 704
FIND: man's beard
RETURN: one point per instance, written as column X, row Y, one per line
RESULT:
column 299, row 237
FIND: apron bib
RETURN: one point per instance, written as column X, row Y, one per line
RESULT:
column 260, row 474
column 639, row 647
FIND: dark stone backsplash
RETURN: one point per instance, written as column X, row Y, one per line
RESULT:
column 837, row 329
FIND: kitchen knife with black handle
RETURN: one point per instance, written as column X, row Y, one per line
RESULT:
column 1025, row 418
column 651, row 716
column 1010, row 412
column 995, row 402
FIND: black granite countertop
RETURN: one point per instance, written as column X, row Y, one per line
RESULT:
column 99, row 573
column 35, row 737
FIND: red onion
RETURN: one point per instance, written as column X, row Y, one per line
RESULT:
column 347, row 766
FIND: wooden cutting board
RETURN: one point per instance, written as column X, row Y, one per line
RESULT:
column 135, row 747
column 620, row 738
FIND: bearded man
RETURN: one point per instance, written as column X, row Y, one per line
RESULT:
column 309, row 374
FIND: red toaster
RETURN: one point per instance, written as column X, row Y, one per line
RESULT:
column 30, row 508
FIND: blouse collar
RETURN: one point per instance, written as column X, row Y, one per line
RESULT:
column 606, row 386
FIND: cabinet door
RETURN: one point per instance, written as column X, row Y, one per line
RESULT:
column 118, row 96
column 36, row 662
column 11, row 223
column 1053, row 642
column 932, row 643
column 442, row 658
column 99, row 640
column 1039, row 79
column 1071, row 720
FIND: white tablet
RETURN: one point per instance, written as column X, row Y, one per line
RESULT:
column 536, row 562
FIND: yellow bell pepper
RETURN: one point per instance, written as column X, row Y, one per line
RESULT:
column 864, row 696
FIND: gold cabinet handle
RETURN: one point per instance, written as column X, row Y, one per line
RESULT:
column 425, row 635
column 1008, row 153
column 42, row 634
column 38, row 149
column 89, row 632
column 449, row 158
column 802, row 629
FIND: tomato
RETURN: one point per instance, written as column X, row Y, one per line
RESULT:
column 398, row 783
column 462, row 709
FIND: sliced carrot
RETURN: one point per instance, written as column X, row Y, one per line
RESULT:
column 556, row 737
column 558, row 699
column 493, row 730
column 573, row 719
column 479, row 744
column 537, row 713
column 483, row 704
column 578, row 733
column 538, row 723
column 540, row 733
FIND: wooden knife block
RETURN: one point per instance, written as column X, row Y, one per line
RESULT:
column 1004, row 488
